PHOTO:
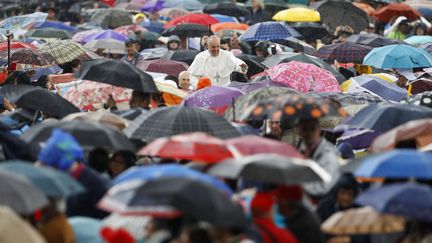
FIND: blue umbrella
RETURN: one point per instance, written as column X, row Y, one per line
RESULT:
column 52, row 24
column 152, row 172
column 106, row 34
column 53, row 183
column 409, row 200
column 224, row 18
column 398, row 56
column 40, row 71
column 86, row 230
column 397, row 164
column 269, row 31
column 153, row 26
column 382, row 88
column 417, row 40
column 191, row 5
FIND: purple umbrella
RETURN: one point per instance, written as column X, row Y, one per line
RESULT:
column 358, row 138
column 213, row 97
column 106, row 34
column 153, row 6
column 382, row 88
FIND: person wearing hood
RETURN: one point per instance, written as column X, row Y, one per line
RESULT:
column 173, row 43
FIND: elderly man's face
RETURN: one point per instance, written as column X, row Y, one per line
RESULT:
column 214, row 45
column 184, row 81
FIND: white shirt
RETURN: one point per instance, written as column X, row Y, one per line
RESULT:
column 218, row 69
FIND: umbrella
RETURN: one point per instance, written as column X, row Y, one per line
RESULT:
column 335, row 13
column 80, row 35
column 38, row 99
column 191, row 5
column 229, row 26
column 224, row 18
column 409, row 200
column 16, row 23
column 303, row 77
column 106, row 34
column 249, row 87
column 32, row 57
column 173, row 12
column 187, row 30
column 130, row 114
column 310, row 30
column 345, row 52
column 417, row 40
column 369, row 10
column 170, row 93
column 127, row 30
column 385, row 116
column 297, row 45
column 86, row 229
column 15, row 229
column 117, row 73
column 193, row 18
column 196, row 146
column 297, row 14
column 15, row 45
column 51, row 24
column 152, row 172
column 348, row 99
column 226, row 8
column 48, row 33
column 20, row 195
column 373, row 40
column 253, row 62
column 63, row 51
column 88, row 134
column 186, row 56
column 128, row 7
column 169, row 67
column 269, row 31
column 271, row 5
column 105, row 117
column 111, row 18
column 196, row 200
column 53, row 183
column 109, row 46
column 251, row 145
column 386, row 13
column 271, row 168
column 168, row 121
column 214, row 98
column 154, row 53
column 363, row 220
column 153, row 26
column 423, row 99
column 398, row 56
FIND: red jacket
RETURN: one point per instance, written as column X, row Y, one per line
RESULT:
column 273, row 234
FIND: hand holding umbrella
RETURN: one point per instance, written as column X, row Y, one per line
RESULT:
column 244, row 68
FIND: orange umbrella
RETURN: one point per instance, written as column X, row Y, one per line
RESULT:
column 386, row 13
column 365, row 7
column 229, row 26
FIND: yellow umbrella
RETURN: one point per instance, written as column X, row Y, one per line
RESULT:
column 297, row 14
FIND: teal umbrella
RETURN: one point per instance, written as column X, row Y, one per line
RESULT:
column 398, row 56
column 417, row 40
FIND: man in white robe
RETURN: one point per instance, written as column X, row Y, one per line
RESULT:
column 215, row 64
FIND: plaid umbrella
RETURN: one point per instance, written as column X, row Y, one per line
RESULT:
column 348, row 98
column 32, row 57
column 48, row 33
column 335, row 13
column 186, row 56
column 269, row 31
column 345, row 52
column 168, row 121
column 111, row 18
column 386, row 13
column 187, row 30
column 373, row 40
column 226, row 8
column 63, row 50
column 202, row 19
column 170, row 67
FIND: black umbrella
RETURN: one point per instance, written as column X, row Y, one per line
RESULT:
column 130, row 114
column 38, row 99
column 89, row 135
column 168, row 121
column 423, row 99
column 187, row 30
column 111, row 18
column 310, row 30
column 297, row 45
column 271, row 168
column 197, row 200
column 373, row 40
column 186, row 56
column 226, row 8
column 117, row 73
column 335, row 13
column 254, row 63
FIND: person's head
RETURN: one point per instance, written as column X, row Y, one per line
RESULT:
column 138, row 18
column 370, row 28
column 154, row 16
column 275, row 128
column 289, row 198
column 234, row 42
column 343, row 32
column 197, row 233
column 421, row 29
column 309, row 130
column 261, row 48
column 214, row 45
column 173, row 43
column 204, row 41
column 404, row 27
column 224, row 44
column 52, row 13
column 98, row 159
column 121, row 161
column 130, row 48
column 347, row 189
column 257, row 4
column 140, row 100
column 184, row 80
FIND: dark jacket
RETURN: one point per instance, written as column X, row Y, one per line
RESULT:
column 305, row 225
column 257, row 17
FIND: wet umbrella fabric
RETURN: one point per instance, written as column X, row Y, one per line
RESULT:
column 186, row 56
column 310, row 30
column 111, row 18
column 48, row 33
column 32, row 57
column 230, row 9
column 213, row 97
column 169, row 67
column 373, row 40
column 345, row 52
column 63, row 51
column 187, row 30
column 269, row 31
column 423, row 99
column 336, row 13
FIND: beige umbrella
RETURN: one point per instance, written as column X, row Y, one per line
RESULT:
column 100, row 117
column 13, row 229
column 363, row 220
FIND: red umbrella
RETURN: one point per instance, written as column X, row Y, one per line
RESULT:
column 202, row 19
column 197, row 146
column 15, row 45
column 163, row 66
column 251, row 144
column 386, row 13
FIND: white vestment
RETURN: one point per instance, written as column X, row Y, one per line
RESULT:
column 218, row 69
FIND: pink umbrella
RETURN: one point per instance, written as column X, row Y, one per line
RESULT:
column 303, row 77
column 128, row 29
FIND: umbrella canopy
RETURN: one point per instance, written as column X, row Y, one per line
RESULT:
column 423, row 99
column 417, row 40
column 271, row 5
column 193, row 18
column 169, row 67
column 18, row 194
column 398, row 56
column 297, row 45
column 88, row 134
column 170, row 93
column 153, row 26
column 229, row 26
column 348, row 99
column 363, row 220
column 263, row 82
column 335, row 13
column 51, row 24
column 303, row 77
column 226, row 8
column 196, row 200
column 127, row 30
column 373, row 40
column 411, row 201
column 86, row 229
column 271, row 168
column 253, row 62
column 63, row 51
column 105, row 117
column 111, row 18
column 168, row 121
column 81, row 34
column 53, row 183
column 191, row 5
column 345, row 52
column 15, row 45
column 386, row 13
column 297, row 14
column 186, row 56
column 38, row 99
column 109, row 46
column 48, row 33
column 16, row 23
column 128, row 7
column 117, row 73
column 32, row 57
column 173, row 12
column 385, row 116
column 106, row 34
column 15, row 229
column 269, row 31
column 369, row 10
column 310, row 30
column 397, row 164
column 187, row 30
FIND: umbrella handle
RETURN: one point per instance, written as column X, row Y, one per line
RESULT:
column 35, row 117
column 233, row 110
